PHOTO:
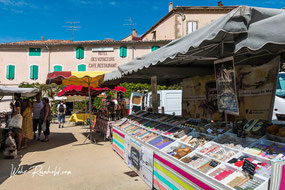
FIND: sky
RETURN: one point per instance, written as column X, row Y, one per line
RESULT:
column 99, row 19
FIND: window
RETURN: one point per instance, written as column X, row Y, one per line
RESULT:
column 81, row 67
column 10, row 72
column 153, row 48
column 80, row 53
column 34, row 72
column 192, row 26
column 57, row 68
column 123, row 51
column 34, row 51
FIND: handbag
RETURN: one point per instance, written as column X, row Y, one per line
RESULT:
column 44, row 127
column 16, row 121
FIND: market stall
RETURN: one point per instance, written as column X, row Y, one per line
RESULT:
column 229, row 72
column 102, row 119
column 86, row 79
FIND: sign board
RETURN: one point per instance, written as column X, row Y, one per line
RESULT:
column 249, row 167
column 100, row 49
column 199, row 98
column 226, row 86
column 255, row 83
column 140, row 159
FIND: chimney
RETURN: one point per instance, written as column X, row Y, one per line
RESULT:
column 43, row 39
column 134, row 33
column 220, row 4
column 170, row 6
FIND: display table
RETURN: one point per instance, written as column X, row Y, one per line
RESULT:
column 168, row 152
column 81, row 117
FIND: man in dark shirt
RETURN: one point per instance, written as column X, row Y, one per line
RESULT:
column 18, row 104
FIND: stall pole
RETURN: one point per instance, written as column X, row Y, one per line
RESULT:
column 154, row 94
column 274, row 89
column 92, row 138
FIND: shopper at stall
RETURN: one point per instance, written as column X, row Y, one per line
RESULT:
column 18, row 106
column 45, row 117
column 37, row 106
column 27, row 128
column 61, row 108
column 16, row 125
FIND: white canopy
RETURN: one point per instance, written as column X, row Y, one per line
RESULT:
column 25, row 92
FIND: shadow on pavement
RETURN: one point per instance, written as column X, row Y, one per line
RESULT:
column 8, row 166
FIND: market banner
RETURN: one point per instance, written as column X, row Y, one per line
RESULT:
column 226, row 86
column 135, row 155
column 256, row 86
column 255, row 89
column 140, row 159
column 147, row 165
column 199, row 98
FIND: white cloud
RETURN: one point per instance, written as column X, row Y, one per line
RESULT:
column 113, row 3
column 14, row 3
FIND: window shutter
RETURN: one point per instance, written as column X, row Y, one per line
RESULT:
column 194, row 26
column 36, row 72
column 123, row 51
column 57, row 68
column 34, row 51
column 32, row 72
column 82, row 67
column 153, row 48
column 10, row 72
column 79, row 53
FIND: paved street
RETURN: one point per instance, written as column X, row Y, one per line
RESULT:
column 66, row 163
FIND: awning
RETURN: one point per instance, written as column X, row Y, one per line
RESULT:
column 25, row 92
column 94, row 78
column 242, row 32
column 73, row 90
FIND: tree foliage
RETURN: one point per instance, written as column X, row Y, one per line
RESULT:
column 49, row 90
column 139, row 87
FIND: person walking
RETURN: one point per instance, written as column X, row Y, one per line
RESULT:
column 61, row 108
column 27, row 128
column 45, row 117
column 37, row 106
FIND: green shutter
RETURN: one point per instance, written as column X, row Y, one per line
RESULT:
column 34, row 51
column 79, row 53
column 34, row 72
column 153, row 48
column 82, row 67
column 57, row 68
column 123, row 51
column 10, row 72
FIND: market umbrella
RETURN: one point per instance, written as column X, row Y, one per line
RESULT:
column 73, row 90
column 86, row 79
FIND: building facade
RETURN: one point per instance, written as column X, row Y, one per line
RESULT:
column 31, row 61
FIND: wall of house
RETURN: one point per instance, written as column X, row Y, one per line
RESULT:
column 164, row 31
column 64, row 56
column 173, row 27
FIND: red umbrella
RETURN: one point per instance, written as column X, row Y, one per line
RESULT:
column 83, row 91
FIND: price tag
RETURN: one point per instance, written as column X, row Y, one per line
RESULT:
column 209, row 130
column 249, row 167
column 220, row 130
column 214, row 163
